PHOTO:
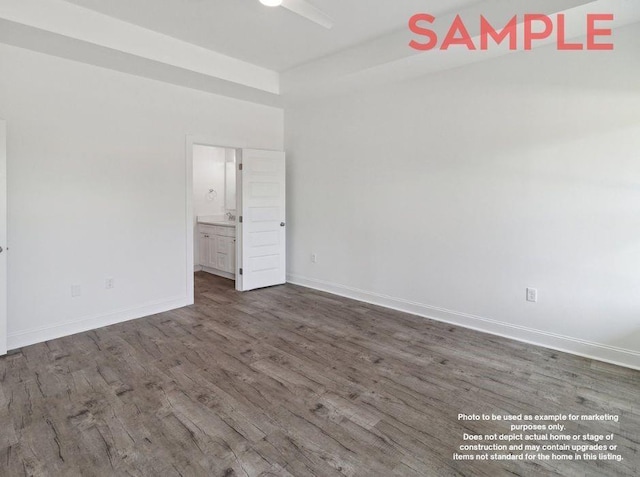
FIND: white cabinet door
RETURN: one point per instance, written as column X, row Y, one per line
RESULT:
column 203, row 249
column 262, row 233
column 212, row 252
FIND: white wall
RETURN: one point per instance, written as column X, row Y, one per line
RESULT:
column 97, row 188
column 447, row 196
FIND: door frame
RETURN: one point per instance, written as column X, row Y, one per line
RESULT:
column 4, row 296
column 211, row 141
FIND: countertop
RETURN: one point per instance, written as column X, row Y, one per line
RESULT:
column 220, row 221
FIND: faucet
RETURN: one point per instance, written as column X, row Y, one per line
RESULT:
column 230, row 216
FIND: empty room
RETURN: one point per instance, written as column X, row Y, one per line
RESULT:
column 319, row 238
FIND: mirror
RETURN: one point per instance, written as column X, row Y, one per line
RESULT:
column 230, row 180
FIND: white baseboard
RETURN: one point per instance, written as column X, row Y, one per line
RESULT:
column 587, row 349
column 220, row 273
column 39, row 335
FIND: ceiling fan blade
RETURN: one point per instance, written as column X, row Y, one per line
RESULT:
column 308, row 11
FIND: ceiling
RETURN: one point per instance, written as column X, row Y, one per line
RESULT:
column 241, row 49
column 274, row 38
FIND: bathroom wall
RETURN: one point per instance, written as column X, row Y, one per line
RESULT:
column 208, row 173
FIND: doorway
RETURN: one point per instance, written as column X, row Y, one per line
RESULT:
column 214, row 210
column 236, row 225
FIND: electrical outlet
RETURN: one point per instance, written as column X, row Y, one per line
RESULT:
column 109, row 283
column 76, row 291
column 314, row 258
column 532, row 295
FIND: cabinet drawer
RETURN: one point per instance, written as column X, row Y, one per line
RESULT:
column 207, row 229
column 221, row 244
column 222, row 262
column 227, row 231
column 217, row 230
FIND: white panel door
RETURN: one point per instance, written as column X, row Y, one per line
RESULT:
column 3, row 237
column 262, row 241
column 203, row 250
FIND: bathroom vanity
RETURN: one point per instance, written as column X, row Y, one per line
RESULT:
column 217, row 246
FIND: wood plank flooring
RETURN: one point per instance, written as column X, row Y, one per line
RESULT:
column 288, row 381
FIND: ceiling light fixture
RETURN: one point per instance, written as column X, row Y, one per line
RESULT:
column 305, row 9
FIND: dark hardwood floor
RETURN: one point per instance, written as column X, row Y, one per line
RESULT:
column 288, row 381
